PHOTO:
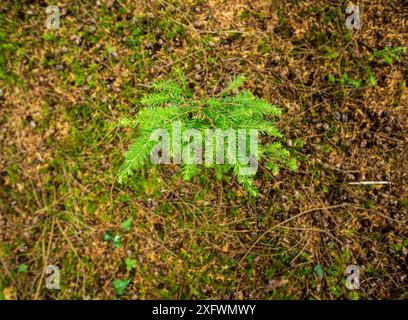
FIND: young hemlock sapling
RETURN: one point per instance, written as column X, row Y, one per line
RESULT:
column 235, row 112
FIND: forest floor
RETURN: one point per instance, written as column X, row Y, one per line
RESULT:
column 344, row 99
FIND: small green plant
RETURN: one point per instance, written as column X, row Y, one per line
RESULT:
column 390, row 54
column 127, row 224
column 173, row 101
column 318, row 269
column 22, row 268
column 371, row 80
column 116, row 239
column 120, row 286
column 130, row 264
column 345, row 79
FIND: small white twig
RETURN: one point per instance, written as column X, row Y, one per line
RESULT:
column 368, row 182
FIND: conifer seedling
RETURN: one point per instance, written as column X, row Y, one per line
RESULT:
column 232, row 108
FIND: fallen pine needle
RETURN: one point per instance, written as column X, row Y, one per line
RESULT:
column 368, row 182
